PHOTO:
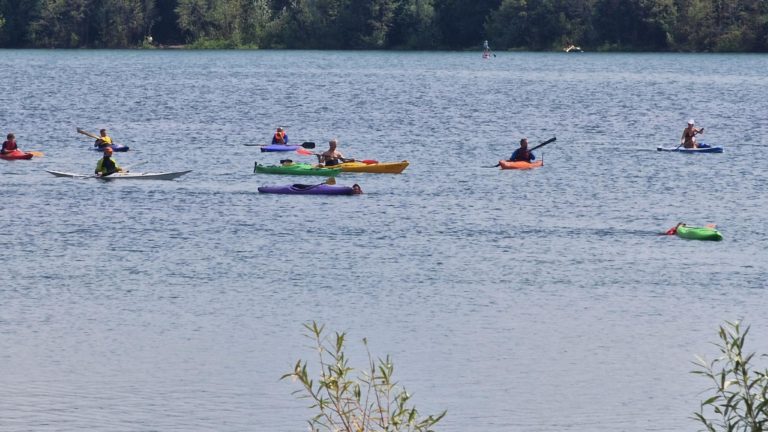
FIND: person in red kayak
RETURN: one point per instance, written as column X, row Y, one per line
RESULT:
column 280, row 137
column 106, row 165
column 688, row 140
column 522, row 153
column 332, row 157
column 9, row 146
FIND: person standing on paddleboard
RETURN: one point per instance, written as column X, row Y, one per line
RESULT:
column 280, row 137
column 10, row 144
column 106, row 165
column 103, row 141
column 522, row 153
column 688, row 140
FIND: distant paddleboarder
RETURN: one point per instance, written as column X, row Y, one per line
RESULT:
column 487, row 50
column 688, row 140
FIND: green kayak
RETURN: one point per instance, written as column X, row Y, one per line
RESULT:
column 698, row 233
column 296, row 169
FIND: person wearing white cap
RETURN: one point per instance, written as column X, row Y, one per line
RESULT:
column 688, row 140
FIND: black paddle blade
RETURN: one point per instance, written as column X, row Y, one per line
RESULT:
column 553, row 139
column 308, row 145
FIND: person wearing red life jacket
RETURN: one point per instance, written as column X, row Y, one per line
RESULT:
column 280, row 137
column 9, row 145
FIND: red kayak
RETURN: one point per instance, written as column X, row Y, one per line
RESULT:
column 16, row 155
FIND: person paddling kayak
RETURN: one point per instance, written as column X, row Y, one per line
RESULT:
column 9, row 145
column 688, row 140
column 673, row 230
column 280, row 137
column 522, row 153
column 103, row 140
column 106, row 165
column 332, row 156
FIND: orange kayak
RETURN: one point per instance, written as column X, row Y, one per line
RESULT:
column 16, row 155
column 522, row 165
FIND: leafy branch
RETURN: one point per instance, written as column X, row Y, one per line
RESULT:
column 740, row 392
column 369, row 402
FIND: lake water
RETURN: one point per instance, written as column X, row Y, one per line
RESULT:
column 537, row 301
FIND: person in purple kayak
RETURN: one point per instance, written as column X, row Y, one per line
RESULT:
column 522, row 153
column 688, row 140
column 280, row 137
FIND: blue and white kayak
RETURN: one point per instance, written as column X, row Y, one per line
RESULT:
column 115, row 148
column 702, row 148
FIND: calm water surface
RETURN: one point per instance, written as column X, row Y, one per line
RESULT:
column 534, row 301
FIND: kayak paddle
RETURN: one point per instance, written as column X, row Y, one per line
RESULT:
column 303, row 152
column 306, row 145
column 553, row 139
column 137, row 164
column 90, row 135
column 36, row 153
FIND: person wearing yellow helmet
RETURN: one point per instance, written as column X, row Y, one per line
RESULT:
column 106, row 165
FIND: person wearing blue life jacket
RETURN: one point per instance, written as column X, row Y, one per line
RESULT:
column 280, row 137
column 522, row 153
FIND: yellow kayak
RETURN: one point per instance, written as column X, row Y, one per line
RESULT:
column 377, row 168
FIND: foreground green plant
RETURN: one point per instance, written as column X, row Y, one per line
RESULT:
column 740, row 400
column 370, row 402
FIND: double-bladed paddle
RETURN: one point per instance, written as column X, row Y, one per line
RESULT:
column 551, row 140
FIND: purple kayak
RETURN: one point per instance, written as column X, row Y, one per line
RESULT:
column 301, row 189
column 279, row 148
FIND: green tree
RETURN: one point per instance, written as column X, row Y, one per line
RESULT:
column 413, row 25
column 739, row 400
column 121, row 23
column 61, row 24
column 697, row 30
column 462, row 22
column 16, row 17
column 345, row 401
column 166, row 30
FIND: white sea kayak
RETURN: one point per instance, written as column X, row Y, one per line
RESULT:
column 125, row 176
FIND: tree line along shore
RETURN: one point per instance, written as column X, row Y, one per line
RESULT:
column 540, row 25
